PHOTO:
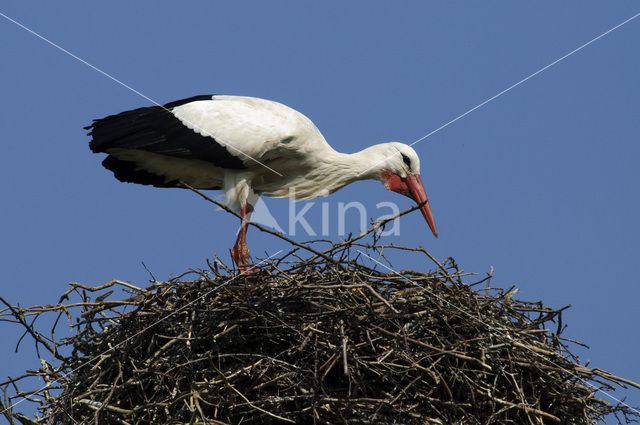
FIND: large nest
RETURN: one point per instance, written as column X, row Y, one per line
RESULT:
column 320, row 340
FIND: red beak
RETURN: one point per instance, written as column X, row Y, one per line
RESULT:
column 414, row 183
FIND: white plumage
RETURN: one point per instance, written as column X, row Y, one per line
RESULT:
column 245, row 146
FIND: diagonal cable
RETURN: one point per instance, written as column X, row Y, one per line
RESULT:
column 544, row 68
column 225, row 283
column 95, row 68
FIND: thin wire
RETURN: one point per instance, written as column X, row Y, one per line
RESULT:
column 504, row 331
column 95, row 68
column 544, row 68
column 64, row 375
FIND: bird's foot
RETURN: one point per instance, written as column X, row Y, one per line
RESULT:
column 240, row 255
column 252, row 273
column 248, row 269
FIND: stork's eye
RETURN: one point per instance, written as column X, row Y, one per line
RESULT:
column 406, row 160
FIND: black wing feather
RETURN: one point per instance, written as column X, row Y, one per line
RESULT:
column 155, row 129
column 128, row 172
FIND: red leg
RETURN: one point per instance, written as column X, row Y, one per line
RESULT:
column 240, row 251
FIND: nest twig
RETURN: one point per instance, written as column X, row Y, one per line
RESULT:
column 321, row 339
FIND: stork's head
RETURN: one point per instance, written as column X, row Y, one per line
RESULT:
column 400, row 172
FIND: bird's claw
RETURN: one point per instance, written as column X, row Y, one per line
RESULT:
column 242, row 258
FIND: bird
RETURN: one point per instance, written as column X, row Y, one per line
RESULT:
column 247, row 147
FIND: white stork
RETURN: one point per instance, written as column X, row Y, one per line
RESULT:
column 247, row 147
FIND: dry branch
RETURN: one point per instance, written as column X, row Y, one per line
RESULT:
column 318, row 340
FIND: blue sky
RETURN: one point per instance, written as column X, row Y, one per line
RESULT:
column 540, row 183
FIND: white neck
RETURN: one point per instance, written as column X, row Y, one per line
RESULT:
column 330, row 171
column 363, row 165
column 334, row 170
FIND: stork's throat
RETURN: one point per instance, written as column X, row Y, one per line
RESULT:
column 395, row 183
